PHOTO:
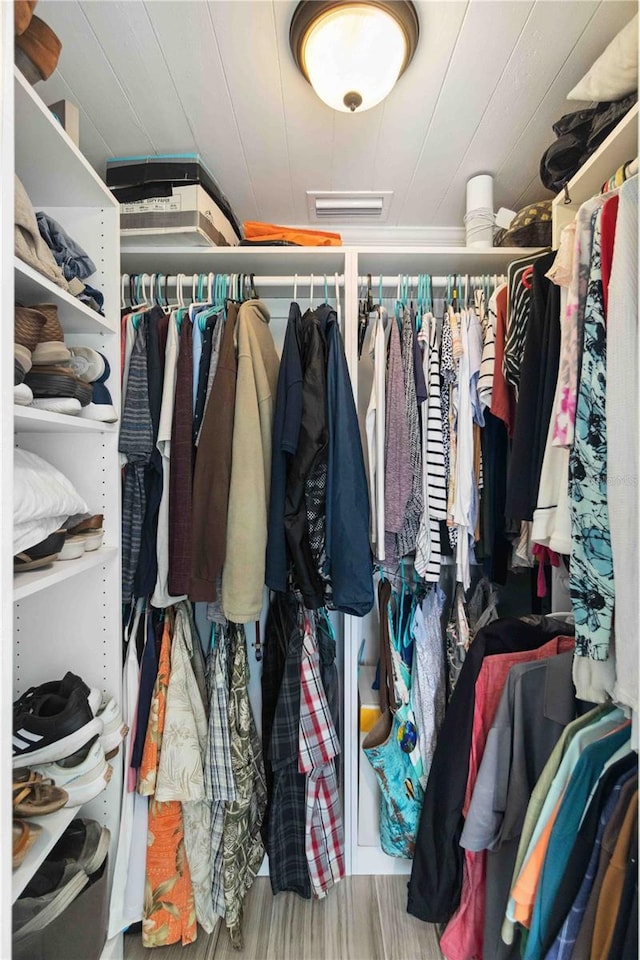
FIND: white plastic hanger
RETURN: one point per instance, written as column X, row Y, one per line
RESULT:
column 295, row 288
column 311, row 293
column 338, row 310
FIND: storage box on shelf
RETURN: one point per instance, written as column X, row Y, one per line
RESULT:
column 67, row 615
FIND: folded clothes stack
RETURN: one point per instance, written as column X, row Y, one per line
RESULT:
column 42, row 243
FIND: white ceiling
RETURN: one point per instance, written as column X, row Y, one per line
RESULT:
column 218, row 78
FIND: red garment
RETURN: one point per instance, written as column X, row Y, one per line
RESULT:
column 503, row 402
column 463, row 938
column 607, row 235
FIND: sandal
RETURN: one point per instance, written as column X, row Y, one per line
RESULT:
column 41, row 553
column 37, row 797
column 24, row 837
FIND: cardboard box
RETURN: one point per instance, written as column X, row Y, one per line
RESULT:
column 187, row 216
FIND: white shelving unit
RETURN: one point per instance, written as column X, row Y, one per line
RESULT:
column 349, row 263
column 65, row 616
column 621, row 145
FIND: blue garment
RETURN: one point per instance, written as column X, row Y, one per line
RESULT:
column 563, row 834
column 562, row 946
column 286, row 428
column 148, row 673
column 591, row 577
column 68, row 254
column 196, row 349
column 349, row 563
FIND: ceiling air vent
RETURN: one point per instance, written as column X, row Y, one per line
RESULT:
column 343, row 206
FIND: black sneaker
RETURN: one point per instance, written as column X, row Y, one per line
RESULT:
column 53, row 727
column 61, row 688
column 53, row 888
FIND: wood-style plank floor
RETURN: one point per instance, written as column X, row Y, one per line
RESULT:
column 363, row 918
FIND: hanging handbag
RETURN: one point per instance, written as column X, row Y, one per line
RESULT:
column 389, row 745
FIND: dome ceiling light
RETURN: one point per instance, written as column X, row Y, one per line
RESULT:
column 352, row 53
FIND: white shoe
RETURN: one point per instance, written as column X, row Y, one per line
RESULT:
column 114, row 729
column 85, row 780
column 66, row 405
column 73, row 548
column 22, row 395
column 103, row 412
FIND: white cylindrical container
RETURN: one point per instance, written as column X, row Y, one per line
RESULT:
column 479, row 217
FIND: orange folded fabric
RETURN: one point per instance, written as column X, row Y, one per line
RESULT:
column 306, row 238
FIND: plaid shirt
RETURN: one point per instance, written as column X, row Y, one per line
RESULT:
column 218, row 772
column 286, row 836
column 318, row 746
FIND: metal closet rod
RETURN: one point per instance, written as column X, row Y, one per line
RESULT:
column 274, row 281
column 392, row 281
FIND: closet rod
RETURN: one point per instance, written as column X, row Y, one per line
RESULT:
column 317, row 279
column 392, row 281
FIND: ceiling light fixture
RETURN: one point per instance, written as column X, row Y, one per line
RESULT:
column 352, row 53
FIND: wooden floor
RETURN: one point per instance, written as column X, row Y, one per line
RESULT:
column 363, row 918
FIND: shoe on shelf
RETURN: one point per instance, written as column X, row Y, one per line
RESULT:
column 37, row 51
column 24, row 835
column 22, row 363
column 50, row 380
column 59, row 688
column 53, row 727
column 66, row 405
column 54, row 886
column 41, row 553
column 85, row 843
column 22, row 14
column 88, row 525
column 93, row 540
column 22, row 395
column 87, row 364
column 50, row 348
column 83, row 780
column 28, row 324
column 113, row 728
column 101, row 407
column 37, row 797
column 73, row 549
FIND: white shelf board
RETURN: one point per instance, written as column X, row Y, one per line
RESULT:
column 53, row 826
column 438, row 260
column 30, row 582
column 32, row 287
column 621, row 145
column 268, row 261
column 52, row 169
column 32, row 420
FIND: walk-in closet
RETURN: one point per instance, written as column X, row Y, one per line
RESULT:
column 319, row 464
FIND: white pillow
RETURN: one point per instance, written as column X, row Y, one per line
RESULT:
column 615, row 72
column 41, row 491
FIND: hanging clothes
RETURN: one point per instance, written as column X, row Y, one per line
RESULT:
column 349, row 564
column 243, row 850
column 413, row 510
column 212, row 475
column 168, row 877
column 244, row 565
column 181, row 473
column 136, row 442
column 375, row 429
column 286, row 432
column 397, row 466
column 434, row 494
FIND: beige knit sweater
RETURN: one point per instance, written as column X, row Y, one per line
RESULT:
column 258, row 363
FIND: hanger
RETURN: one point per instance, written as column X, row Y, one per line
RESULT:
column 124, row 279
column 338, row 309
column 311, row 293
column 295, row 288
